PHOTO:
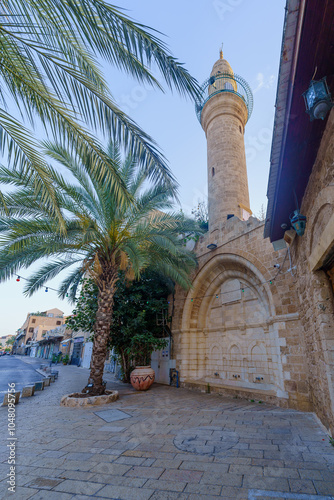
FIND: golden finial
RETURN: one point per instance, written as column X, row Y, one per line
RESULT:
column 221, row 52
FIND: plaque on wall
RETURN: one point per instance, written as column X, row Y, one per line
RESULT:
column 231, row 291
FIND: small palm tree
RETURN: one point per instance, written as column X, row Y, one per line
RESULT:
column 102, row 237
column 49, row 71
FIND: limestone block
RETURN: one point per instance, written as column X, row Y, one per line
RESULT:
column 9, row 398
column 47, row 381
column 39, row 386
column 52, row 377
column 28, row 391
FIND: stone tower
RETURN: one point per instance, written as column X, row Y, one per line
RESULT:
column 223, row 111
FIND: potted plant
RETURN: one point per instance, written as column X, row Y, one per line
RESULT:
column 140, row 350
column 65, row 359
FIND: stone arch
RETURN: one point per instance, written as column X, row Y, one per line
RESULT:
column 212, row 275
column 246, row 320
column 319, row 223
column 215, row 359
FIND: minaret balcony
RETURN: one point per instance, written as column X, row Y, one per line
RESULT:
column 224, row 82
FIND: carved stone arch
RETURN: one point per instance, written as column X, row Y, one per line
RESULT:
column 209, row 279
column 235, row 347
column 256, row 343
column 321, row 219
column 320, row 227
column 215, row 358
column 216, row 347
column 327, row 194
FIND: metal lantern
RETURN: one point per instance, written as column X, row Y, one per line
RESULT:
column 318, row 99
column 298, row 222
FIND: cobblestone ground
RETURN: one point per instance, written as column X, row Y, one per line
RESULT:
column 166, row 443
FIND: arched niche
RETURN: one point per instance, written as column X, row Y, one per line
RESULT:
column 232, row 303
column 211, row 277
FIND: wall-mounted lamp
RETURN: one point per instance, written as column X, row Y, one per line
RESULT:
column 298, row 222
column 212, row 246
column 318, row 100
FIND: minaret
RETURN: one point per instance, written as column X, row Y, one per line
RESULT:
column 223, row 111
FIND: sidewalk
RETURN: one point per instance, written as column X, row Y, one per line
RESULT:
column 163, row 444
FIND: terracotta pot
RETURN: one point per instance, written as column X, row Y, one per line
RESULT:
column 142, row 378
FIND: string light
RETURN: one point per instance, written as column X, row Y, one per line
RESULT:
column 47, row 288
column 231, row 291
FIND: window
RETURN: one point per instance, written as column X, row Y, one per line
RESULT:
column 50, row 315
column 240, row 129
column 228, row 86
column 31, row 329
column 213, row 171
column 33, row 320
column 44, row 332
column 58, row 323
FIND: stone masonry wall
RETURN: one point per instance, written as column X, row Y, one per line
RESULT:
column 309, row 253
column 248, row 341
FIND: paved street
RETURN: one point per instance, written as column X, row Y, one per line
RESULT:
column 13, row 369
column 164, row 444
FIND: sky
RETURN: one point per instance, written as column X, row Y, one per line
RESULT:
column 251, row 33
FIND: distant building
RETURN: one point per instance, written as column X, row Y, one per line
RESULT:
column 4, row 339
column 35, row 327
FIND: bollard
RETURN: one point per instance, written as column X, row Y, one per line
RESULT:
column 39, row 386
column 28, row 391
column 5, row 399
column 47, row 381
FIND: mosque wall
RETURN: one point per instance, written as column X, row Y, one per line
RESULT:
column 235, row 332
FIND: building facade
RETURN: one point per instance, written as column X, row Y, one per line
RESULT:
column 238, row 330
column 302, row 177
column 36, row 327
column 259, row 320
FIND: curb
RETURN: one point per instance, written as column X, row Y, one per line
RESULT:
column 29, row 390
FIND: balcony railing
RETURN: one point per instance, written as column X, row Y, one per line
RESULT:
column 225, row 82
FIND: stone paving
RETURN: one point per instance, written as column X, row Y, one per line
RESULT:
column 171, row 444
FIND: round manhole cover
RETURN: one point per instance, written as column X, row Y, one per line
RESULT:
column 206, row 440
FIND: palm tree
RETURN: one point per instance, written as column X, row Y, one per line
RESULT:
column 49, row 70
column 102, row 237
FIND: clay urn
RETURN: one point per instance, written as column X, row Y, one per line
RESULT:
column 142, row 378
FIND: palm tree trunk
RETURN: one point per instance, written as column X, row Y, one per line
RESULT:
column 101, row 337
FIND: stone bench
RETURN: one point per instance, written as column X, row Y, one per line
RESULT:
column 55, row 373
column 39, row 386
column 28, row 391
column 5, row 399
column 52, row 377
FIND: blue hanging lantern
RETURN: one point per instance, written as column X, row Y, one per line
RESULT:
column 298, row 222
column 318, row 100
